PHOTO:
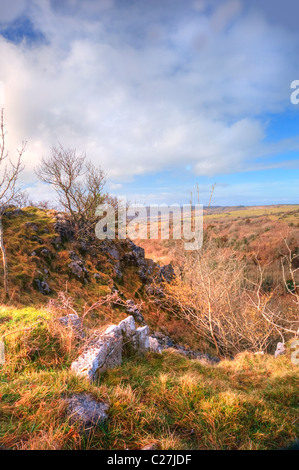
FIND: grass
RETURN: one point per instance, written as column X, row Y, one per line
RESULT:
column 248, row 403
column 167, row 399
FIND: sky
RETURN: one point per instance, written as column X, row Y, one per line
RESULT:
column 163, row 94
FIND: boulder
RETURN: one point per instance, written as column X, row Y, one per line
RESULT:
column 159, row 341
column 105, row 353
column 142, row 340
column 84, row 409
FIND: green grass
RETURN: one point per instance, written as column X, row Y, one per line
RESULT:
column 273, row 212
column 248, row 403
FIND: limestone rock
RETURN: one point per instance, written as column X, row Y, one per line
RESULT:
column 166, row 273
column 63, row 227
column 165, row 342
column 83, row 408
column 42, row 286
column 142, row 340
column 127, row 327
column 154, row 345
column 78, row 269
column 280, row 349
column 134, row 310
column 73, row 321
column 105, row 353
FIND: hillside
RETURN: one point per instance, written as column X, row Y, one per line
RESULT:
column 177, row 399
column 249, row 230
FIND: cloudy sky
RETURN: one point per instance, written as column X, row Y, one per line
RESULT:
column 163, row 94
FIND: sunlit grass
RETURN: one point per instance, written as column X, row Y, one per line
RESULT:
column 249, row 403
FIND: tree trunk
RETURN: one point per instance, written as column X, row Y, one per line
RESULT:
column 4, row 260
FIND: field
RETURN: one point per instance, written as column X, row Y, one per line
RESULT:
column 248, row 229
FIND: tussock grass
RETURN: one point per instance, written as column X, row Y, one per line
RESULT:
column 167, row 399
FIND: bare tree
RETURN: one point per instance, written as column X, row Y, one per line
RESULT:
column 78, row 183
column 290, row 265
column 9, row 193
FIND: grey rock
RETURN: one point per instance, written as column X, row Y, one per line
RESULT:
column 34, row 227
column 117, row 269
column 56, row 242
column 35, row 238
column 132, row 309
column 14, row 212
column 154, row 345
column 109, row 247
column 166, row 273
column 127, row 327
column 128, row 330
column 142, row 340
column 105, row 353
column 63, row 227
column 78, row 269
column 85, row 410
column 42, row 286
column 73, row 321
column 114, row 253
column 152, row 446
column 280, row 349
column 165, row 342
column 73, row 256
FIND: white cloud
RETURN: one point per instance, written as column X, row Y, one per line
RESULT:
column 188, row 94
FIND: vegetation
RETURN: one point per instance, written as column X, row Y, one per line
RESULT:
column 9, row 192
column 78, row 184
column 248, row 401
column 178, row 403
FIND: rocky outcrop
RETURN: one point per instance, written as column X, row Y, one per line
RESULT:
column 64, row 228
column 166, row 273
column 159, row 342
column 77, row 267
column 42, row 286
column 107, row 351
column 136, row 257
column 133, row 310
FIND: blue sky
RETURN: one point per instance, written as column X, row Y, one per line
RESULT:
column 163, row 94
